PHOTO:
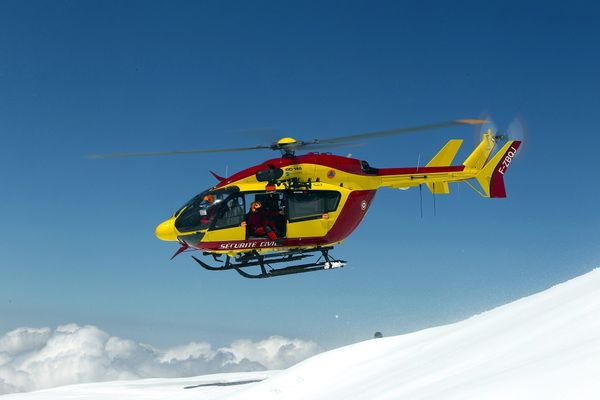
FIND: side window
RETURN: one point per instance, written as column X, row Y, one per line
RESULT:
column 332, row 200
column 231, row 213
column 311, row 204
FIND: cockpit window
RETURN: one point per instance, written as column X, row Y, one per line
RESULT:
column 200, row 211
column 190, row 202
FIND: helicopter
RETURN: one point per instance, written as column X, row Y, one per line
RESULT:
column 267, row 219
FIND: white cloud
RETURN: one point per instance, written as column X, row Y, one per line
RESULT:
column 23, row 339
column 275, row 352
column 38, row 358
column 192, row 350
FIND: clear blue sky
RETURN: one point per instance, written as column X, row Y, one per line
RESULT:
column 77, row 237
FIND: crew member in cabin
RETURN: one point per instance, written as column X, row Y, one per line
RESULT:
column 260, row 222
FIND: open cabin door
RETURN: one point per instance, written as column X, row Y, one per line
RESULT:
column 272, row 214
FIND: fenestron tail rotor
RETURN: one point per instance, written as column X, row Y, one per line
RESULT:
column 289, row 145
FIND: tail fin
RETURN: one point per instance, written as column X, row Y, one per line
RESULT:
column 491, row 177
column 481, row 153
column 445, row 156
column 443, row 159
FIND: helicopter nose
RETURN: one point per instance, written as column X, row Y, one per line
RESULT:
column 166, row 230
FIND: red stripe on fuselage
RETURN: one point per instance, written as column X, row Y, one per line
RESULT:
column 346, row 164
column 420, row 170
column 248, row 245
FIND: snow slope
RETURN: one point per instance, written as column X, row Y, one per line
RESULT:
column 546, row 346
column 206, row 387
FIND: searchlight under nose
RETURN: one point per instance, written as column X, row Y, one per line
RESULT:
column 166, row 230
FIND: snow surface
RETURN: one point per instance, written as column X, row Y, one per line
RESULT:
column 149, row 389
column 546, row 346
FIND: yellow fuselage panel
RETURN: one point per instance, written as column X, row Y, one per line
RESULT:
column 225, row 234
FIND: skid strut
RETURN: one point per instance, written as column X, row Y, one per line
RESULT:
column 265, row 262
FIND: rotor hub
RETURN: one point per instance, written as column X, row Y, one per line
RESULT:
column 286, row 141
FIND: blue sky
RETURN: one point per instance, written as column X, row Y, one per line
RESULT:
column 77, row 235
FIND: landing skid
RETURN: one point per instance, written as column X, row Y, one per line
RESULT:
column 265, row 262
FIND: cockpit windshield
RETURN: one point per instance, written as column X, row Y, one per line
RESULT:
column 200, row 211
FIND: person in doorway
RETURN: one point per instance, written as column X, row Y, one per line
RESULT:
column 259, row 222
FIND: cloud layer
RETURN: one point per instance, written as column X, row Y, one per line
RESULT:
column 39, row 358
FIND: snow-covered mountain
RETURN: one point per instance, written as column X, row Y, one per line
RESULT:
column 545, row 346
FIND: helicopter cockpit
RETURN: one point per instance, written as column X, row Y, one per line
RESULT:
column 200, row 212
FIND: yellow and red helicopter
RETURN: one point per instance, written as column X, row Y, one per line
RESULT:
column 293, row 207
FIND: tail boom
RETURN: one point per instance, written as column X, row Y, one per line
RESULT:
column 438, row 173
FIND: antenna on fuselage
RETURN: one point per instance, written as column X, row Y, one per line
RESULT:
column 420, row 187
column 433, row 192
column 421, row 199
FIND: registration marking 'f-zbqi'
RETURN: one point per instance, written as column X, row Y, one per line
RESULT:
column 507, row 160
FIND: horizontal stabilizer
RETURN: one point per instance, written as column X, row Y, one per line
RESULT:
column 438, row 187
column 443, row 159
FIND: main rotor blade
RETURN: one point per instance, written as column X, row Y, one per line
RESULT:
column 174, row 152
column 315, row 144
column 400, row 131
